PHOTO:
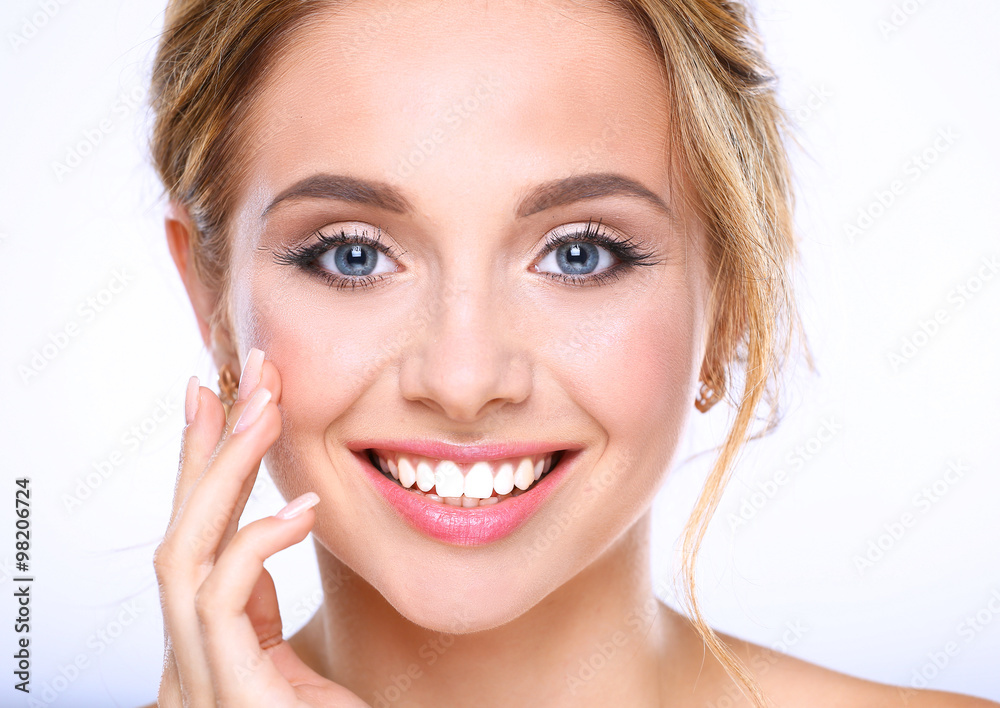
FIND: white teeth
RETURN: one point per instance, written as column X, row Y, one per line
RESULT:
column 525, row 474
column 464, row 485
column 504, row 481
column 479, row 481
column 407, row 475
column 448, row 479
column 425, row 476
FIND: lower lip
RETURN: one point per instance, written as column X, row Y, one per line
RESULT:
column 463, row 526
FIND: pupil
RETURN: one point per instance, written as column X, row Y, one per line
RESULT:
column 355, row 259
column 577, row 258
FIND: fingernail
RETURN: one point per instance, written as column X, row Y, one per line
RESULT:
column 191, row 400
column 297, row 505
column 250, row 377
column 255, row 406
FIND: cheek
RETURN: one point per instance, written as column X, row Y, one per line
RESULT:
column 329, row 350
column 632, row 366
column 327, row 347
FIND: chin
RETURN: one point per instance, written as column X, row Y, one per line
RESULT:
column 457, row 612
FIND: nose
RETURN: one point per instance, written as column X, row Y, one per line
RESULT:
column 467, row 362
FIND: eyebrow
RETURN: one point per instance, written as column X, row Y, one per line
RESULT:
column 544, row 196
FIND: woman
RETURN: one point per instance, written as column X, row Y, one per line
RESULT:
column 476, row 263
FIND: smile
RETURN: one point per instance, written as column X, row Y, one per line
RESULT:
column 489, row 491
column 464, row 484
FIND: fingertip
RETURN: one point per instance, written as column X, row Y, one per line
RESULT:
column 252, row 410
column 298, row 505
column 271, row 379
column 212, row 413
column 191, row 400
column 205, row 416
column 250, row 377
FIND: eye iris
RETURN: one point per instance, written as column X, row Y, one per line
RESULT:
column 577, row 257
column 355, row 259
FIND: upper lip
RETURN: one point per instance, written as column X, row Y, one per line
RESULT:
column 465, row 453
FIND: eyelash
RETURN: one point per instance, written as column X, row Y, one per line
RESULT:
column 306, row 255
column 625, row 250
column 628, row 253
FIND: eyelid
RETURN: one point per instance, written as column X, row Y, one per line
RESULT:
column 621, row 247
column 319, row 242
column 364, row 235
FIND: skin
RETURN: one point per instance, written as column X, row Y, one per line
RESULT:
column 463, row 340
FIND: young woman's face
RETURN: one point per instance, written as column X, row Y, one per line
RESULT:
column 465, row 136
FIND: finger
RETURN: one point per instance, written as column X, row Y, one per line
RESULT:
column 207, row 422
column 262, row 609
column 200, row 438
column 241, row 670
column 169, row 693
column 186, row 674
column 257, row 373
column 185, row 557
column 185, row 667
column 250, row 377
column 208, row 437
column 271, row 379
column 312, row 688
column 211, row 504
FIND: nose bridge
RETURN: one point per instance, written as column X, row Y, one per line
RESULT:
column 465, row 363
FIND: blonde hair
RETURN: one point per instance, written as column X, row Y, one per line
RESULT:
column 727, row 127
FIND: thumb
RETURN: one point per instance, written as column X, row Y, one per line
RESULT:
column 262, row 609
column 314, row 689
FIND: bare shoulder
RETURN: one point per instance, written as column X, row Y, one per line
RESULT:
column 789, row 681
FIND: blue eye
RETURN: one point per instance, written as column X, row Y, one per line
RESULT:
column 577, row 258
column 588, row 255
column 354, row 259
column 581, row 255
column 344, row 259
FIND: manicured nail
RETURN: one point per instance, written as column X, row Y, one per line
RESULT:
column 191, row 400
column 254, row 407
column 250, row 377
column 297, row 505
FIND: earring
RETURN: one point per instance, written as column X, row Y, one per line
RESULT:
column 228, row 387
column 709, row 395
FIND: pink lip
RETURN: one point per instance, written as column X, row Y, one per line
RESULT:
column 461, row 526
column 462, row 453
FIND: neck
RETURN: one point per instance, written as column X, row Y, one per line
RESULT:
column 599, row 635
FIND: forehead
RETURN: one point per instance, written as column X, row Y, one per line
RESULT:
column 461, row 92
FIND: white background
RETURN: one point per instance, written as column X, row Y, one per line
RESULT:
column 866, row 102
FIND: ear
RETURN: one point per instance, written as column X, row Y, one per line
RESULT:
column 181, row 232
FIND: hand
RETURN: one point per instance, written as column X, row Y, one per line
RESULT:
column 223, row 642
